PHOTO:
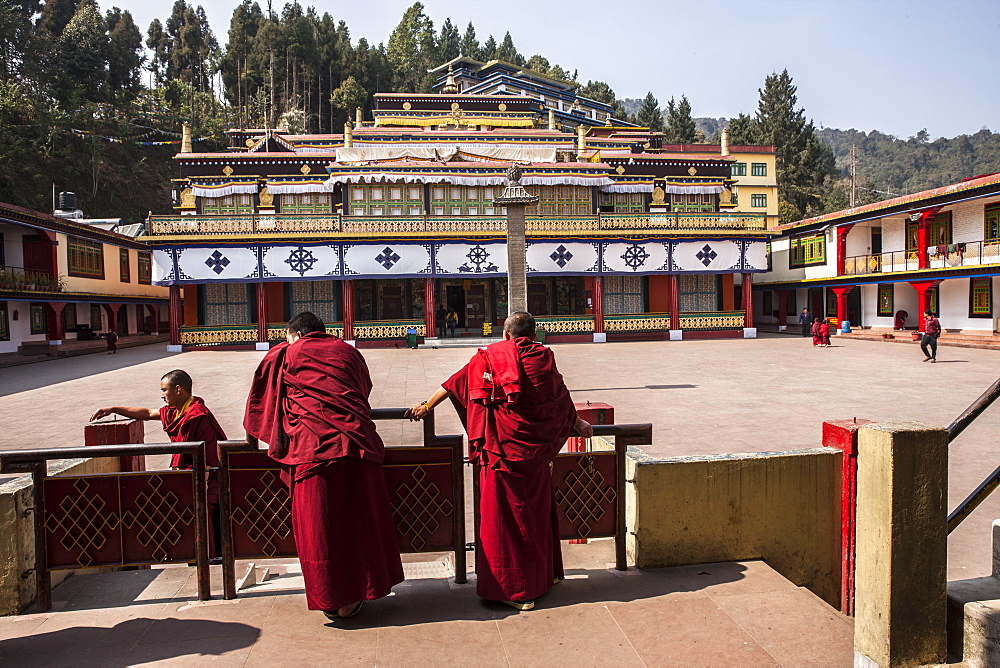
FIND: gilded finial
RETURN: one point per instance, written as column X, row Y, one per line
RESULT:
column 450, row 86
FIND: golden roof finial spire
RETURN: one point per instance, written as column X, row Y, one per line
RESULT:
column 450, row 87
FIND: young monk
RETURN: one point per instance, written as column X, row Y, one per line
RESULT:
column 816, row 334
column 309, row 403
column 185, row 418
column 518, row 414
column 824, row 334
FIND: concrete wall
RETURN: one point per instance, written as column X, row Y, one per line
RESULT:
column 782, row 507
column 17, row 550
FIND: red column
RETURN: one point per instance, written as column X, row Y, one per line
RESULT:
column 54, row 324
column 176, row 315
column 675, row 303
column 598, row 306
column 429, row 308
column 923, row 289
column 842, row 293
column 261, row 313
column 842, row 248
column 923, row 240
column 783, row 307
column 748, row 300
column 347, row 295
column 112, row 311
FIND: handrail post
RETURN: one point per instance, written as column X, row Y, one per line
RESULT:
column 43, row 579
column 199, row 478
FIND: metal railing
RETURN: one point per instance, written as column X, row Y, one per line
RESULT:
column 881, row 263
column 967, row 254
column 992, row 481
column 251, row 224
column 23, row 280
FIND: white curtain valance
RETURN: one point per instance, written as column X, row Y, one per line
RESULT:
column 469, row 180
column 448, row 152
column 668, row 189
column 628, row 188
column 223, row 189
column 295, row 187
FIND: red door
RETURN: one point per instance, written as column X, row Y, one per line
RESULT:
column 37, row 254
column 392, row 302
column 475, row 306
column 538, row 299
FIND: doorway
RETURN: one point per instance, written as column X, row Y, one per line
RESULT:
column 455, row 300
column 475, row 306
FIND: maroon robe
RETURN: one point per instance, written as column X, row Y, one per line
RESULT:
column 518, row 414
column 198, row 424
column 309, row 403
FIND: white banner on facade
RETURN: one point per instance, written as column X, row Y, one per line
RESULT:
column 472, row 259
column 386, row 259
column 223, row 263
column 644, row 257
column 562, row 258
column 702, row 255
column 163, row 266
column 300, row 261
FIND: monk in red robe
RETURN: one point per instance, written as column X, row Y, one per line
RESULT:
column 518, row 414
column 309, row 402
column 185, row 418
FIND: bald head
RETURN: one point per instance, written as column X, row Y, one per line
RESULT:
column 520, row 323
column 178, row 378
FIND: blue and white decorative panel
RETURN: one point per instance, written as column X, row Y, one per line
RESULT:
column 300, row 261
column 226, row 263
column 472, row 258
column 635, row 258
column 755, row 256
column 387, row 259
column 706, row 256
column 562, row 257
column 163, row 266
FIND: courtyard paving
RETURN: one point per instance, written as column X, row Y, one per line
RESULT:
column 702, row 397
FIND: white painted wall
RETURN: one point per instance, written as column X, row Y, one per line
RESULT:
column 13, row 246
column 19, row 329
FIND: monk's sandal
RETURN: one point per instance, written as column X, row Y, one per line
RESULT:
column 520, row 605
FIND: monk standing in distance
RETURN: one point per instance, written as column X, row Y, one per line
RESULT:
column 518, row 414
column 185, row 418
column 309, row 402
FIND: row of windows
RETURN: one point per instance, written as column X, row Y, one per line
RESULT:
column 807, row 251
column 756, row 169
column 86, row 260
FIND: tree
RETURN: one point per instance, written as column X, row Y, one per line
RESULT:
column 80, row 58
column 538, row 64
column 680, row 127
column 125, row 58
column 56, row 15
column 410, row 48
column 349, row 96
column 489, row 50
column 469, row 46
column 601, row 92
column 238, row 82
column 15, row 35
column 448, row 42
column 743, row 130
column 649, row 114
column 508, row 52
column 158, row 42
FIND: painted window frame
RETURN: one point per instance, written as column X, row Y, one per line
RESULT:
column 807, row 251
column 305, row 203
column 886, row 300
column 84, row 258
column 144, row 268
column 983, row 289
column 942, row 220
column 124, row 266
column 239, row 204
column 739, row 169
column 37, row 319
column 758, row 200
column 758, row 169
column 4, row 322
column 991, row 223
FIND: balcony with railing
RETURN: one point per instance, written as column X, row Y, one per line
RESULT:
column 968, row 254
column 336, row 224
column 18, row 279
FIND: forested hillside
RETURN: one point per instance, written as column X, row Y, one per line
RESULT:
column 92, row 103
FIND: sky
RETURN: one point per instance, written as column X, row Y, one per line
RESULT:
column 896, row 66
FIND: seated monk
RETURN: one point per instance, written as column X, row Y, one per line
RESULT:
column 309, row 403
column 185, row 418
column 518, row 414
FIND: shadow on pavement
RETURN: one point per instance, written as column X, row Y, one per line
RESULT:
column 640, row 387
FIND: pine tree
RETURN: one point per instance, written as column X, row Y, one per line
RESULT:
column 680, row 127
column 448, row 42
column 508, row 52
column 469, row 46
column 410, row 48
column 743, row 130
column 649, row 114
column 81, row 58
column 538, row 64
column 56, row 15
column 489, row 50
column 125, row 58
column 601, row 92
column 15, row 35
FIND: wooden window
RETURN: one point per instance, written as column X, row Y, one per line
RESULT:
column 95, row 317
column 86, row 258
column 886, row 305
column 698, row 293
column 69, row 317
column 395, row 193
column 358, row 194
column 37, row 315
column 145, row 265
column 414, row 194
column 758, row 201
column 306, row 203
column 226, row 304
column 319, row 297
column 831, row 303
column 807, row 251
column 980, row 298
column 124, row 268
column 692, row 203
column 4, row 323
column 739, row 169
column 559, row 201
column 231, row 205
column 623, row 294
column 758, row 169
column 437, row 194
column 938, row 232
column 991, row 233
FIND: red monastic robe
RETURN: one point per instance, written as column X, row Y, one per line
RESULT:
column 518, row 414
column 309, row 402
column 197, row 423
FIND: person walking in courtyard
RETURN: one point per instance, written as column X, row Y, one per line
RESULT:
column 928, row 342
column 112, row 341
column 806, row 321
column 518, row 414
column 439, row 318
column 185, row 418
column 816, row 333
column 309, row 402
column 452, row 321
column 824, row 333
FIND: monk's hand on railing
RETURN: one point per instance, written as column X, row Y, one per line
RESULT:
column 417, row 412
column 584, row 428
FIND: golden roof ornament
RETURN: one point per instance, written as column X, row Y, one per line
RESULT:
column 450, row 86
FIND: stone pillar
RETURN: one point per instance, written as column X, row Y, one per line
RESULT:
column 749, row 331
column 54, row 325
column 675, row 309
column 262, row 338
column 430, row 324
column 842, row 293
column 902, row 545
column 842, row 232
column 515, row 198
column 924, row 290
column 598, row 308
column 347, row 298
column 176, row 319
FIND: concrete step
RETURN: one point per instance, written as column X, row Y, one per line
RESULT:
column 974, row 615
column 460, row 342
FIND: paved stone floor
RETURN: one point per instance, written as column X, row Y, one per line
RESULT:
column 742, row 614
